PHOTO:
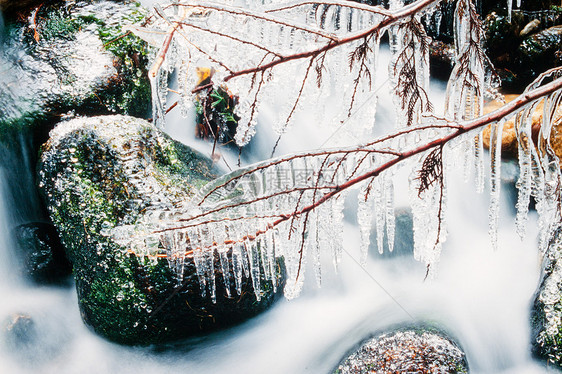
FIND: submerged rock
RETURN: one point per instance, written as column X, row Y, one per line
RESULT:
column 32, row 339
column 19, row 331
column 103, row 172
column 408, row 350
column 546, row 314
column 43, row 255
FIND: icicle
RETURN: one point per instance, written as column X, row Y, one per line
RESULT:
column 271, row 258
column 524, row 182
column 469, row 162
column 393, row 33
column 158, row 110
column 337, row 228
column 200, row 267
column 237, row 267
column 245, row 256
column 315, row 243
column 479, row 163
column 210, row 268
column 295, row 259
column 260, row 245
column 225, row 271
column 390, row 216
column 253, row 260
column 495, row 180
column 365, row 217
column 509, row 10
column 379, row 210
column 438, row 17
column 246, row 128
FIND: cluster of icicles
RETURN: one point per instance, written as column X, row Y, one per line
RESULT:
column 278, row 209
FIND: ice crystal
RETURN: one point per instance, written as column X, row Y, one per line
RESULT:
column 287, row 208
column 495, row 180
column 209, row 34
column 290, row 56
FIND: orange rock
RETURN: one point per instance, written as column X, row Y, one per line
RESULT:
column 509, row 138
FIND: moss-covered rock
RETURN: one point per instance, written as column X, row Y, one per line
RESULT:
column 524, row 46
column 72, row 57
column 406, row 350
column 546, row 314
column 104, row 172
column 542, row 50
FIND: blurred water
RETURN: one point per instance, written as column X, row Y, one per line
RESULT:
column 480, row 296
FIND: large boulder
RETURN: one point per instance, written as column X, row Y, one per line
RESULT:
column 100, row 173
column 546, row 314
column 71, row 58
column 406, row 350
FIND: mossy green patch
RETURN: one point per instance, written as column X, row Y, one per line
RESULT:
column 92, row 174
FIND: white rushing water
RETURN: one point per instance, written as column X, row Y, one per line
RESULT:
column 480, row 295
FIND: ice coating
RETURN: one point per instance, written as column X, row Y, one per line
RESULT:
column 201, row 34
column 291, row 208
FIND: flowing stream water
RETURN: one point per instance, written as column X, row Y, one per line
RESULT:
column 480, row 296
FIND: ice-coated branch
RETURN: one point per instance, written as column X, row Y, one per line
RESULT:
column 388, row 20
column 288, row 40
column 289, row 205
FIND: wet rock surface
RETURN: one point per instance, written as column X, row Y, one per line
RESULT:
column 546, row 313
column 72, row 58
column 103, row 172
column 509, row 137
column 525, row 46
column 39, row 246
column 408, row 350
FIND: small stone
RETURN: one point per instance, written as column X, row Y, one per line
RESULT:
column 406, row 350
column 530, row 28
